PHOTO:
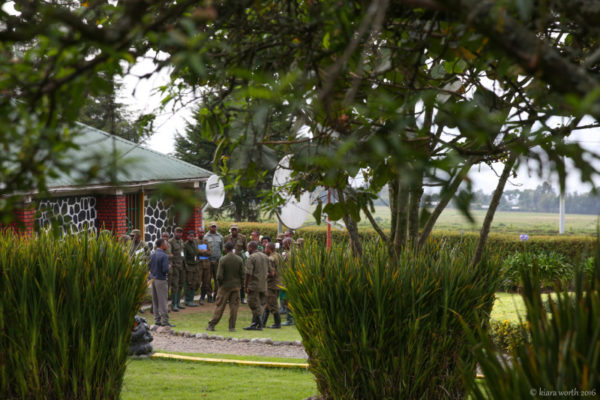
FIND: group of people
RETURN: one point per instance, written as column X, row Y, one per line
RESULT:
column 226, row 270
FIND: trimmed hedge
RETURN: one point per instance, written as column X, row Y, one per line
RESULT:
column 575, row 248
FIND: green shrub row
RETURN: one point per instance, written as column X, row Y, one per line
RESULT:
column 66, row 313
column 575, row 249
column 383, row 327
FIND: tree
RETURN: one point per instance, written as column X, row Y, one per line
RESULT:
column 52, row 57
column 106, row 113
column 392, row 89
column 193, row 148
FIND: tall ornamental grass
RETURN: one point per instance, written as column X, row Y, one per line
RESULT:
column 561, row 359
column 66, row 313
column 383, row 327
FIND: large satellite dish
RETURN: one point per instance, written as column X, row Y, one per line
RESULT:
column 294, row 212
column 215, row 191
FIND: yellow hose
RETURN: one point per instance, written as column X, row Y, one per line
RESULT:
column 268, row 364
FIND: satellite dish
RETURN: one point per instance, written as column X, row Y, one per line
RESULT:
column 215, row 191
column 294, row 212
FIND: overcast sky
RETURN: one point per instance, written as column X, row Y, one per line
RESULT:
column 142, row 96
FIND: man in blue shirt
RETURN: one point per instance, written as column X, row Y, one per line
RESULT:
column 159, row 270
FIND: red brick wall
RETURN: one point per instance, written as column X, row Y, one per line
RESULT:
column 111, row 214
column 24, row 220
column 194, row 222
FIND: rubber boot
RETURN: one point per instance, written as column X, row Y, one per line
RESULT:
column 174, row 302
column 202, row 296
column 211, row 297
column 264, row 318
column 290, row 319
column 180, row 305
column 277, row 324
column 189, row 298
column 255, row 325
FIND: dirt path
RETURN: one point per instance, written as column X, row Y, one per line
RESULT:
column 166, row 341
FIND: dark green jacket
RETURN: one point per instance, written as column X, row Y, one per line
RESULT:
column 176, row 253
column 257, row 266
column 230, row 273
column 191, row 251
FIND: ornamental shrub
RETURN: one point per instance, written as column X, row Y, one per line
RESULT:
column 507, row 334
column 553, row 269
column 562, row 356
column 383, row 327
column 66, row 314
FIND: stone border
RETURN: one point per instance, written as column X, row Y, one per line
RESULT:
column 206, row 336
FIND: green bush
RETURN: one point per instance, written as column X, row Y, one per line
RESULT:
column 562, row 358
column 553, row 269
column 508, row 334
column 66, row 315
column 378, row 327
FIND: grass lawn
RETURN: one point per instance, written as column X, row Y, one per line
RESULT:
column 179, row 380
column 195, row 320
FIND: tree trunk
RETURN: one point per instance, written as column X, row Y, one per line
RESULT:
column 401, row 227
column 489, row 216
column 416, row 193
column 393, row 193
column 352, row 228
column 444, row 200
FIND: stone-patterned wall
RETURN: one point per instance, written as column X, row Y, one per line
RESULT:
column 72, row 214
column 157, row 218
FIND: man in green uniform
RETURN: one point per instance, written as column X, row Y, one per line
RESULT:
column 203, row 264
column 273, row 286
column 230, row 276
column 192, row 272
column 216, row 242
column 138, row 246
column 239, row 243
column 257, row 269
column 177, row 275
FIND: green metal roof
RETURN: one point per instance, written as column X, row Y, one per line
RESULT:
column 136, row 164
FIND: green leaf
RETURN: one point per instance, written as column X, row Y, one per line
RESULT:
column 317, row 212
column 326, row 41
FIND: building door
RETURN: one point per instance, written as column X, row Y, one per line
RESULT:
column 133, row 205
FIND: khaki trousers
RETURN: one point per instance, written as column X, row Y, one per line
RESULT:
column 272, row 301
column 233, row 295
column 256, row 302
column 205, row 276
column 176, row 279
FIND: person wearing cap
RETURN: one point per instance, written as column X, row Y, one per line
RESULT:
column 203, row 266
column 192, row 272
column 177, row 275
column 230, row 276
column 138, row 246
column 239, row 243
column 216, row 242
column 257, row 269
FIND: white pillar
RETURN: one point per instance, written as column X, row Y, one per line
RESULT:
column 561, row 211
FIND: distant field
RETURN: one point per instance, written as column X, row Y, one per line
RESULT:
column 505, row 222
